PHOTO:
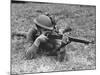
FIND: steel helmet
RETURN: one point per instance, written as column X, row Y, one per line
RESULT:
column 44, row 22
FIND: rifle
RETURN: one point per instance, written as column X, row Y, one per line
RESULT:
column 80, row 41
column 56, row 35
column 86, row 42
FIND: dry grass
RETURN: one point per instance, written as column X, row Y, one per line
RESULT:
column 78, row 56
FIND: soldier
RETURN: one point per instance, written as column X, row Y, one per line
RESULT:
column 40, row 39
column 44, row 38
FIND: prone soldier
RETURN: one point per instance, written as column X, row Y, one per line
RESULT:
column 45, row 38
column 40, row 38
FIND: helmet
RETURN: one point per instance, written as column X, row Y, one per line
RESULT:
column 44, row 22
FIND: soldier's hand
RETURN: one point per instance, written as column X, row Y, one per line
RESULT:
column 31, row 52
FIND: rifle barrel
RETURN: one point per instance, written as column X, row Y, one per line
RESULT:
column 79, row 40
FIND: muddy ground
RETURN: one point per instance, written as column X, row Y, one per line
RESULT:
column 82, row 19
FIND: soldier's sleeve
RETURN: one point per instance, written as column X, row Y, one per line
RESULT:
column 41, row 38
column 31, row 36
column 32, row 51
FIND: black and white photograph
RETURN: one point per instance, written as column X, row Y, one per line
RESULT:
column 52, row 37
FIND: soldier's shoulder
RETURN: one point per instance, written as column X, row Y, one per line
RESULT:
column 33, row 29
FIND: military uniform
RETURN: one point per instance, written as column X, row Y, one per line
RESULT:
column 43, row 43
column 40, row 42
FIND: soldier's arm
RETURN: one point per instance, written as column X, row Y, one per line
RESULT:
column 31, row 36
column 32, row 51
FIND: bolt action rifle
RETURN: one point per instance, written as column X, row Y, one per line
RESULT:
column 56, row 35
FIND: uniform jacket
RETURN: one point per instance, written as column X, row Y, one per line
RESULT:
column 42, row 42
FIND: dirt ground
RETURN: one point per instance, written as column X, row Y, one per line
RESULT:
column 82, row 20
